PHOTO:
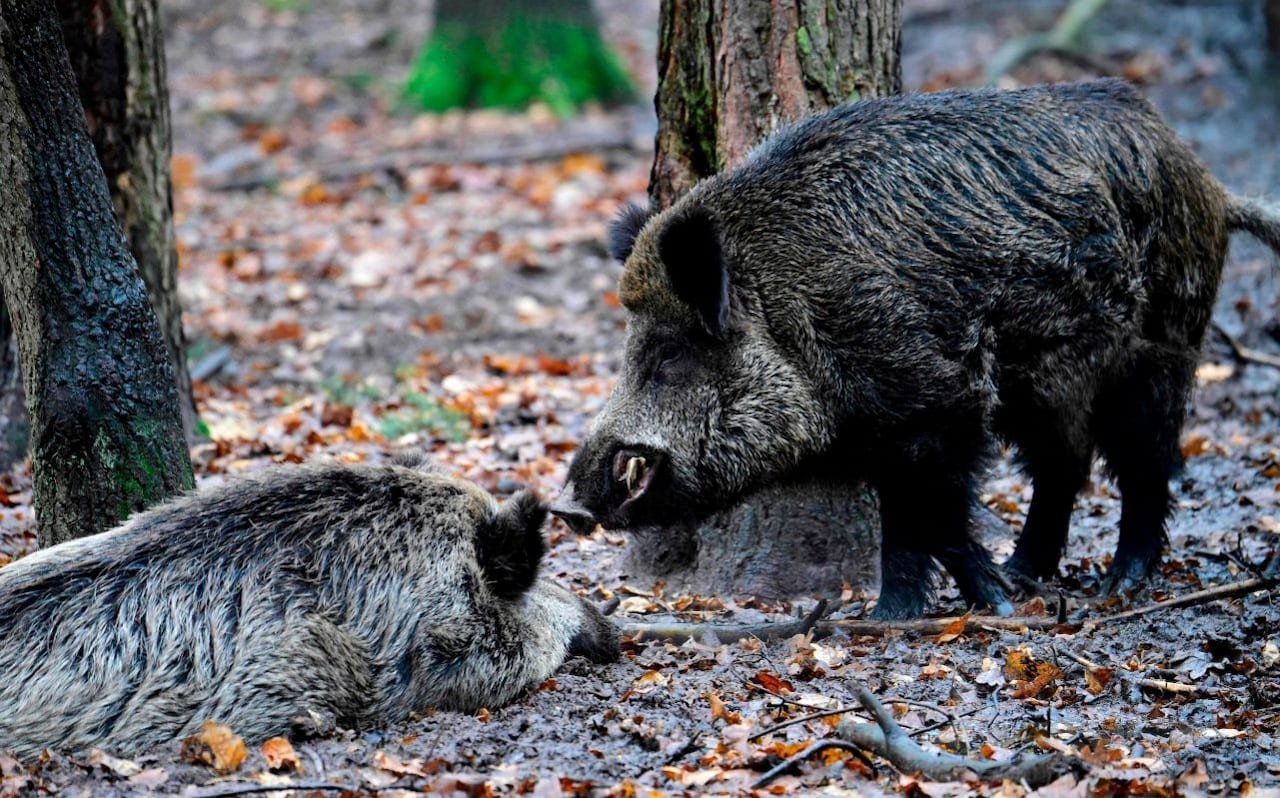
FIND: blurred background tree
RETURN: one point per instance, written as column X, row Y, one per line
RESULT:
column 513, row 53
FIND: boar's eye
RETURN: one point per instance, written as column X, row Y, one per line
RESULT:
column 668, row 358
column 509, row 549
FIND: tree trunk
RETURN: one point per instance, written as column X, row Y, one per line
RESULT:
column 729, row 73
column 106, row 428
column 117, row 54
column 511, row 53
column 15, row 425
column 1272, row 10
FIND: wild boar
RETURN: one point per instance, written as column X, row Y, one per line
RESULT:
column 293, row 601
column 883, row 290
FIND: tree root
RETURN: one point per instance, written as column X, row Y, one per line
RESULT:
column 886, row 739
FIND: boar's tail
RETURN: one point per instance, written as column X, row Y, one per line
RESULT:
column 1256, row 218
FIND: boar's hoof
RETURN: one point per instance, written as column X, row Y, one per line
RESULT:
column 1129, row 571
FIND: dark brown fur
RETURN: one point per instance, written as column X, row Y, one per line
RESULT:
column 294, row 600
column 881, row 290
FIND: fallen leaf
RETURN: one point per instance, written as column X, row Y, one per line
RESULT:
column 279, row 754
column 217, row 746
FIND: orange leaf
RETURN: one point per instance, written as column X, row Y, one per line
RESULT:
column 280, row 755
column 216, row 745
column 953, row 630
column 772, row 683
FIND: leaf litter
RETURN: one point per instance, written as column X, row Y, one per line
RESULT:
column 468, row 309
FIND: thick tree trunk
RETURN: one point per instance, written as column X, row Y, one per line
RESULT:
column 1272, row 10
column 117, row 53
column 730, row 72
column 106, row 429
column 15, row 425
column 511, row 53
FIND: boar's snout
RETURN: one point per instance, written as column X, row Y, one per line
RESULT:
column 605, row 485
column 567, row 508
column 597, row 641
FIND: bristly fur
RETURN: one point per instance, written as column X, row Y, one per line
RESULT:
column 296, row 600
column 911, row 278
column 623, row 230
column 509, row 550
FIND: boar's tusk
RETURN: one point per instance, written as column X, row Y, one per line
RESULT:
column 635, row 468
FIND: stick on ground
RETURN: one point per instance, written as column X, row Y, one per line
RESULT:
column 886, row 739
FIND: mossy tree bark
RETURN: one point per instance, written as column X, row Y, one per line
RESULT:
column 117, row 54
column 730, row 72
column 511, row 53
column 107, row 434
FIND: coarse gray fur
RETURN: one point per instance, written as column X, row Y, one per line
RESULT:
column 880, row 291
column 293, row 600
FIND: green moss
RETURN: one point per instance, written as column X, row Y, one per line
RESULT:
column 423, row 414
column 525, row 60
column 802, row 40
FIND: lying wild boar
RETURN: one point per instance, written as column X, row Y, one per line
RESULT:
column 880, row 290
column 295, row 600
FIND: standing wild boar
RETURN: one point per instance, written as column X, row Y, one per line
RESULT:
column 880, row 290
column 296, row 600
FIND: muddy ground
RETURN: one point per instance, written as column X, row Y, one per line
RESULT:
column 340, row 255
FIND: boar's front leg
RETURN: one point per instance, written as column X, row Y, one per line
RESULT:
column 926, row 504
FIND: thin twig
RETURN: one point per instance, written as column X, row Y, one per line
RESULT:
column 1244, row 354
column 826, row 713
column 821, row 745
column 1162, row 685
column 257, row 789
column 540, row 150
column 1229, row 590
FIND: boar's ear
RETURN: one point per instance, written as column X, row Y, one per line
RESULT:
column 689, row 247
column 624, row 228
column 510, row 548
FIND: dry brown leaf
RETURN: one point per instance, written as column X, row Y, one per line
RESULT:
column 279, row 754
column 773, row 683
column 217, row 746
column 953, row 629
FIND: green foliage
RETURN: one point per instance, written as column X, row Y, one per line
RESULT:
column 523, row 61
column 421, row 413
column 347, row 392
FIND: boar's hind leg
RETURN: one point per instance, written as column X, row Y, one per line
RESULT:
column 1138, row 419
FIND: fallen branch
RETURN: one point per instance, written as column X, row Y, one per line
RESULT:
column 886, row 739
column 1230, row 590
column 258, row 789
column 781, row 630
column 817, row 747
column 544, row 148
column 769, row 630
column 1163, row 685
column 1244, row 354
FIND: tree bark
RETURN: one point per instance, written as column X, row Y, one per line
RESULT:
column 106, row 428
column 1272, row 10
column 117, row 54
column 15, row 425
column 730, row 73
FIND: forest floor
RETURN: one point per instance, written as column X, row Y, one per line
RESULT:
column 358, row 280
